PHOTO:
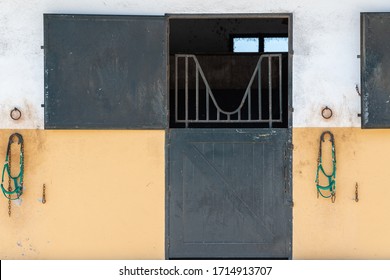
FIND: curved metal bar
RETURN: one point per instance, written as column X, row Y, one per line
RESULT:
column 211, row 93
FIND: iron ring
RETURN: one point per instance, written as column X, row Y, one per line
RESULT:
column 15, row 114
column 324, row 113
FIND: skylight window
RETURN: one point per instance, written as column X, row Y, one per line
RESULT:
column 275, row 44
column 245, row 45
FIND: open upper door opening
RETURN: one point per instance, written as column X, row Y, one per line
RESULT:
column 228, row 72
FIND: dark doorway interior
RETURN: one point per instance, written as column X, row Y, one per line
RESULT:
column 212, row 85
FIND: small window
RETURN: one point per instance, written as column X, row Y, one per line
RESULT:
column 245, row 45
column 275, row 44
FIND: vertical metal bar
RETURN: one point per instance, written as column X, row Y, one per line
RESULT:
column 207, row 103
column 218, row 113
column 270, row 90
column 259, row 90
column 176, row 88
column 186, row 91
column 250, row 104
column 239, row 114
column 280, row 87
column 197, row 91
column 228, row 117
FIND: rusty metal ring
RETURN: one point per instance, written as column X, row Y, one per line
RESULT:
column 326, row 115
column 15, row 114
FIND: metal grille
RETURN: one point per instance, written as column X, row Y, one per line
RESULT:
column 246, row 112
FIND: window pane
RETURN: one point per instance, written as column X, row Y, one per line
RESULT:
column 276, row 44
column 245, row 45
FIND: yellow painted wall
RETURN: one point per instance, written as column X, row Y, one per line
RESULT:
column 345, row 229
column 105, row 196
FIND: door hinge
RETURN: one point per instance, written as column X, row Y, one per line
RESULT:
column 291, row 109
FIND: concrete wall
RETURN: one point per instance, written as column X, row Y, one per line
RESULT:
column 326, row 42
column 106, row 188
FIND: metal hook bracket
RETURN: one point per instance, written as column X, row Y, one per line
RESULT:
column 357, row 192
column 44, row 194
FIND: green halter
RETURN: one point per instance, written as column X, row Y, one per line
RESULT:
column 17, row 180
column 331, row 187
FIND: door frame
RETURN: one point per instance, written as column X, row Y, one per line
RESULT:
column 290, row 110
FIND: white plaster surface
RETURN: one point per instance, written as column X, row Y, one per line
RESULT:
column 326, row 39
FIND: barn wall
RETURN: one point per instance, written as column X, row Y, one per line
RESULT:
column 106, row 189
column 104, row 192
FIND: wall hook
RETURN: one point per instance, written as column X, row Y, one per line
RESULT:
column 44, row 194
column 326, row 113
column 15, row 114
column 357, row 192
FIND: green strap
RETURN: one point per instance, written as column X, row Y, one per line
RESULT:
column 331, row 187
column 17, row 180
column 17, row 183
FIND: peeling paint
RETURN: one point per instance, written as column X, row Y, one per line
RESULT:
column 259, row 136
column 18, row 202
column 365, row 109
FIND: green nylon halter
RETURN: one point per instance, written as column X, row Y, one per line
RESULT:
column 331, row 187
column 17, row 180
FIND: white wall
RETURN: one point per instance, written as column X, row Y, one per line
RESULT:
column 326, row 43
